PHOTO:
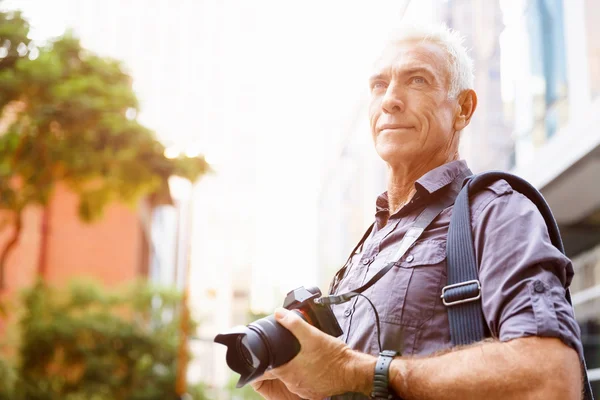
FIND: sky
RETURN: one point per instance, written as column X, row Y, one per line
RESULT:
column 258, row 87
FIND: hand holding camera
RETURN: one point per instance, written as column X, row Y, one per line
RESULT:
column 266, row 344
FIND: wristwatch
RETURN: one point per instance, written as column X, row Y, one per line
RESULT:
column 381, row 381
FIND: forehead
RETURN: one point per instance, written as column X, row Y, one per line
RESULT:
column 400, row 55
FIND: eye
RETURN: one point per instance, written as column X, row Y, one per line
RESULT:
column 378, row 86
column 419, row 80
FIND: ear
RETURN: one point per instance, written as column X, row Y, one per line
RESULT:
column 467, row 103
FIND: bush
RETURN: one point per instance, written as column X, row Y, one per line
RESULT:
column 8, row 378
column 245, row 393
column 87, row 343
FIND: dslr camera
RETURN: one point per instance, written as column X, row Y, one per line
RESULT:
column 266, row 344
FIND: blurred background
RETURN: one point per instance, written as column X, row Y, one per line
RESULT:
column 172, row 169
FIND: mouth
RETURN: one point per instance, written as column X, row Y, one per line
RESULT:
column 393, row 127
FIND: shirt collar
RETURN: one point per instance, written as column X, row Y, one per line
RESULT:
column 432, row 181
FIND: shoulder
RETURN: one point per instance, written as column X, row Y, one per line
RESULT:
column 509, row 230
column 507, row 222
column 499, row 196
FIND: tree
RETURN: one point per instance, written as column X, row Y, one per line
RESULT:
column 90, row 343
column 7, row 380
column 68, row 115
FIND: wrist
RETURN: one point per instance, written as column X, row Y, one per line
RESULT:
column 398, row 375
column 360, row 373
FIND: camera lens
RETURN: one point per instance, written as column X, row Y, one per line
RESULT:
column 254, row 348
column 264, row 344
column 246, row 353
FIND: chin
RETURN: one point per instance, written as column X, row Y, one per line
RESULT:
column 391, row 154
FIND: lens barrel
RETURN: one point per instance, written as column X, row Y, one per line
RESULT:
column 265, row 344
column 262, row 345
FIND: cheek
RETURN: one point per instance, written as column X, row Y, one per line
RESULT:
column 432, row 115
column 443, row 119
column 374, row 113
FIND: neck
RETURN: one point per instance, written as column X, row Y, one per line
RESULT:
column 402, row 178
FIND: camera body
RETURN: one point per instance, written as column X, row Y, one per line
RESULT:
column 320, row 316
column 266, row 344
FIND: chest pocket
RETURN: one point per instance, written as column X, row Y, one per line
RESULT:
column 409, row 292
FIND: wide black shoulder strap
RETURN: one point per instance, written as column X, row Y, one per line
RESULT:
column 462, row 294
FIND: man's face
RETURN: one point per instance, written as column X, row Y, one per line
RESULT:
column 411, row 117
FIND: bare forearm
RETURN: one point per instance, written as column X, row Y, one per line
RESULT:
column 521, row 369
column 491, row 370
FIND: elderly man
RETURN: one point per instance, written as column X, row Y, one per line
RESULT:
column 422, row 97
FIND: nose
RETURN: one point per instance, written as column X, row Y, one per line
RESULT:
column 392, row 100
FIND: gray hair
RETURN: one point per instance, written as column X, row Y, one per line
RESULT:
column 460, row 64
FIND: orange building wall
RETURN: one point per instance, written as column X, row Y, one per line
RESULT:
column 108, row 250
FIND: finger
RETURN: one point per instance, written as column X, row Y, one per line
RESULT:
column 294, row 323
column 257, row 385
column 267, row 376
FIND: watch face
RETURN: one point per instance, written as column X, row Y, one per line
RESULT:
column 389, row 353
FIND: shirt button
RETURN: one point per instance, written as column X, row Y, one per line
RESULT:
column 538, row 286
column 347, row 312
column 410, row 258
column 366, row 261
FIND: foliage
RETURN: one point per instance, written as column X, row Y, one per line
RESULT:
column 70, row 123
column 87, row 343
column 199, row 392
column 7, row 380
column 68, row 115
column 245, row 393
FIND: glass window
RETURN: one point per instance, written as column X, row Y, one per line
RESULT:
column 548, row 66
column 585, row 290
column 592, row 16
column 534, row 72
column 588, row 318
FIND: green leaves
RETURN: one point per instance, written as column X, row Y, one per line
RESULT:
column 65, row 120
column 86, row 342
column 13, row 31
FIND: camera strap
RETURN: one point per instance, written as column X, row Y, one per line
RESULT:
column 424, row 219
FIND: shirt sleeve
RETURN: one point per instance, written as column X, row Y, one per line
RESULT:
column 523, row 276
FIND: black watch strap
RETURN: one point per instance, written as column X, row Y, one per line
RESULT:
column 381, row 381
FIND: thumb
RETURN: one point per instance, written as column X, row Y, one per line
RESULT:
column 267, row 376
column 293, row 323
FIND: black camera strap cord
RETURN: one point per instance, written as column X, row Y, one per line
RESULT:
column 424, row 219
column 410, row 237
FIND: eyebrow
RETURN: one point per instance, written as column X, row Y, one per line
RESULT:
column 377, row 77
column 420, row 70
column 409, row 71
